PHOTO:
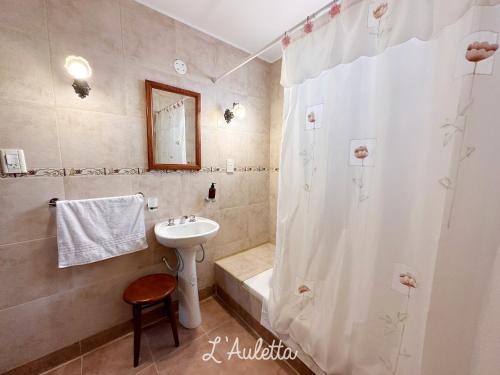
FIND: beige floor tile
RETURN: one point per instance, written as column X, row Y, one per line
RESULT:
column 229, row 332
column 161, row 340
column 246, row 341
column 71, row 368
column 251, row 367
column 189, row 361
column 213, row 314
column 116, row 358
column 151, row 370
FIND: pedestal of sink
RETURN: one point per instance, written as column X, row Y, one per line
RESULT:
column 189, row 303
column 186, row 237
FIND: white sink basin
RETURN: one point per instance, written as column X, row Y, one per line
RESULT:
column 187, row 235
column 186, row 238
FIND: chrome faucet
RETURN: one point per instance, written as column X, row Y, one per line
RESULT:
column 192, row 218
column 183, row 219
column 171, row 221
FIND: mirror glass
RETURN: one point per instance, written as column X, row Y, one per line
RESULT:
column 173, row 128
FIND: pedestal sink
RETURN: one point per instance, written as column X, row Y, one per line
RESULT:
column 186, row 238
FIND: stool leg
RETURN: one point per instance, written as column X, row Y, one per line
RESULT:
column 171, row 317
column 137, row 310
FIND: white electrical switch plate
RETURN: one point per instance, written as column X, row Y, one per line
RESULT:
column 13, row 161
column 153, row 203
column 230, row 165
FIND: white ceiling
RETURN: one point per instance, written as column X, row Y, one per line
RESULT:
column 246, row 24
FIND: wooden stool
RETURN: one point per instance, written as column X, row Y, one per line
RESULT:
column 146, row 292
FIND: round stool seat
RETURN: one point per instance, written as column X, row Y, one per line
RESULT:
column 150, row 289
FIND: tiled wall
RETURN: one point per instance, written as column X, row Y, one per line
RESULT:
column 43, row 308
column 275, row 144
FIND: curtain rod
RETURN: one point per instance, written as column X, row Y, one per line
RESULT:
column 277, row 40
column 171, row 105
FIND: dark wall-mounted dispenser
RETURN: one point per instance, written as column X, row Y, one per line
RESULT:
column 211, row 193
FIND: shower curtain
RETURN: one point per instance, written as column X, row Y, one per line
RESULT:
column 170, row 134
column 390, row 134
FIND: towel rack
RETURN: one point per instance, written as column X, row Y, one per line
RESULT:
column 53, row 201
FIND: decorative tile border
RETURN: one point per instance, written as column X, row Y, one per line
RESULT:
column 39, row 172
column 46, row 172
column 127, row 171
column 62, row 172
column 85, row 171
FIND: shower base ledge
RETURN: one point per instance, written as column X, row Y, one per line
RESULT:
column 242, row 283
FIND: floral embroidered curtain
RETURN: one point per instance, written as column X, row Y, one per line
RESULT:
column 388, row 207
column 357, row 28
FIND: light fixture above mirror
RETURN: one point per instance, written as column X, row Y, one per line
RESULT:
column 79, row 68
column 237, row 111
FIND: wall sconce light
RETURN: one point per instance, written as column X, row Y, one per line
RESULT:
column 80, row 70
column 237, row 111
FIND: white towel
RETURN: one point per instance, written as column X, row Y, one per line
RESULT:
column 90, row 230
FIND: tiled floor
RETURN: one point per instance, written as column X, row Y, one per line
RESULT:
column 159, row 356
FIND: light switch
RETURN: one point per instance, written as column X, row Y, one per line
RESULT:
column 13, row 161
column 230, row 165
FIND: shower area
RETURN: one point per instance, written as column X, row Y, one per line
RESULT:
column 388, row 215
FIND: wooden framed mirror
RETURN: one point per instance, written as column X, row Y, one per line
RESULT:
column 173, row 126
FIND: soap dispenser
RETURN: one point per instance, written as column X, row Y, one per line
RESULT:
column 211, row 192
